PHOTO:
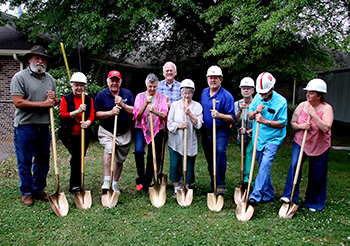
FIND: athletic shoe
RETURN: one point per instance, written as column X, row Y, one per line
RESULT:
column 174, row 195
column 105, row 185
column 312, row 210
column 115, row 187
column 220, row 190
column 253, row 202
column 285, row 199
column 139, row 187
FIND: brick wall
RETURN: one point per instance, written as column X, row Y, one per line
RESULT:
column 8, row 68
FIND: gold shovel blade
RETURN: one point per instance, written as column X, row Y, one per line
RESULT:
column 244, row 212
column 82, row 199
column 184, row 197
column 110, row 198
column 157, row 195
column 214, row 202
column 239, row 196
column 288, row 210
column 59, row 204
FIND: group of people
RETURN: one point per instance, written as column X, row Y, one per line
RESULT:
column 166, row 108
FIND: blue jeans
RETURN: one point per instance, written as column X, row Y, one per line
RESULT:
column 222, row 136
column 317, row 181
column 32, row 141
column 263, row 188
column 176, row 167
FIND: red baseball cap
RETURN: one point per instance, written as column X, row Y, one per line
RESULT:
column 114, row 73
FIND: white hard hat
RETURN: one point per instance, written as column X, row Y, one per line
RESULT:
column 187, row 83
column 78, row 77
column 265, row 82
column 214, row 70
column 247, row 81
column 316, row 85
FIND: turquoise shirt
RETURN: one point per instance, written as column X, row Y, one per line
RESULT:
column 275, row 110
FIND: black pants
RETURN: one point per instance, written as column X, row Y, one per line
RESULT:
column 158, row 140
column 73, row 144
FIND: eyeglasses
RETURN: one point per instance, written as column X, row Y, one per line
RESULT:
column 188, row 93
column 169, row 71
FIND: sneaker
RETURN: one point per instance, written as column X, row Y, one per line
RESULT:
column 285, row 199
column 105, row 185
column 139, row 187
column 312, row 210
column 41, row 196
column 115, row 187
column 174, row 195
column 75, row 189
column 27, row 200
column 220, row 190
column 253, row 202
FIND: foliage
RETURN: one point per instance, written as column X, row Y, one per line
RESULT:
column 136, row 222
column 291, row 38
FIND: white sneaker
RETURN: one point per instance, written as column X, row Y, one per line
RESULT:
column 115, row 187
column 285, row 199
column 105, row 185
column 312, row 210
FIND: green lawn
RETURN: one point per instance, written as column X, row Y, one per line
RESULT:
column 136, row 222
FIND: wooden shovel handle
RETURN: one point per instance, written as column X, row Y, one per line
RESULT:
column 214, row 147
column 153, row 151
column 185, row 148
column 113, row 146
column 253, row 159
column 53, row 140
column 82, row 142
column 242, row 147
column 65, row 59
column 296, row 175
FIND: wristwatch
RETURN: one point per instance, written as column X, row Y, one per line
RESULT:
column 268, row 122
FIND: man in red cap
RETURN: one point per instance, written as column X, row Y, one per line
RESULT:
column 109, row 103
column 33, row 92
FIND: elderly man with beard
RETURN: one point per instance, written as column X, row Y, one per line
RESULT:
column 108, row 103
column 33, row 92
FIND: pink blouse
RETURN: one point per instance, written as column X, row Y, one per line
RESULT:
column 160, row 104
column 317, row 141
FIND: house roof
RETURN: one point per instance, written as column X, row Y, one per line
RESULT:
column 12, row 41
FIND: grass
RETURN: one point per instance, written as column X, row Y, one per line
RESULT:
column 136, row 222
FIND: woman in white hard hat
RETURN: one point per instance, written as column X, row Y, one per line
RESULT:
column 176, row 124
column 317, row 145
column 69, row 132
column 241, row 106
column 146, row 102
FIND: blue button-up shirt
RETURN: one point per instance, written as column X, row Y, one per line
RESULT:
column 171, row 91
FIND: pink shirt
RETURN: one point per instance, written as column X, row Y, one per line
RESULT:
column 160, row 104
column 317, row 141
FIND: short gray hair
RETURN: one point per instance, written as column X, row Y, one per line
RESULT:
column 171, row 63
column 187, row 88
column 152, row 78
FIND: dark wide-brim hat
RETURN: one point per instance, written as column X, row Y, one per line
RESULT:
column 38, row 50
